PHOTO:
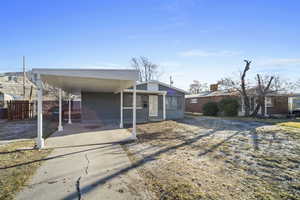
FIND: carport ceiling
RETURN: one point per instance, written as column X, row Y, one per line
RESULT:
column 88, row 80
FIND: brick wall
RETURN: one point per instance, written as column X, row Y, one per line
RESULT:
column 197, row 107
column 280, row 106
column 49, row 105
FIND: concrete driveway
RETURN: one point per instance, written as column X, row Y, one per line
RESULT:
column 87, row 162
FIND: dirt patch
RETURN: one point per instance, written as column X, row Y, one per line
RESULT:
column 217, row 159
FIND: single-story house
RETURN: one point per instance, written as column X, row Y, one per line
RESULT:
column 11, row 83
column 294, row 104
column 194, row 102
column 3, row 104
column 277, row 104
column 4, row 97
column 110, row 96
column 155, row 101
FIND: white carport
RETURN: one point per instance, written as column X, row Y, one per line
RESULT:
column 87, row 80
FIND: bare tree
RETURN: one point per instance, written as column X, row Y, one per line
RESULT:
column 284, row 85
column 244, row 88
column 229, row 84
column 297, row 84
column 196, row 87
column 264, row 85
column 263, row 88
column 241, row 86
column 147, row 70
column 267, row 84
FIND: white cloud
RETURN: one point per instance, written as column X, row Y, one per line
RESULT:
column 278, row 62
column 170, row 64
column 202, row 53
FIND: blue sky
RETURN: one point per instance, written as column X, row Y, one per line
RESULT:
column 190, row 39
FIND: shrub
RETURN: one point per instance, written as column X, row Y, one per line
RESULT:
column 229, row 107
column 210, row 109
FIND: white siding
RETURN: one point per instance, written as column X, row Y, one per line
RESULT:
column 152, row 87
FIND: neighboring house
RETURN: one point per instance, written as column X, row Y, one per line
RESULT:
column 195, row 102
column 150, row 104
column 4, row 98
column 294, row 104
column 11, row 83
column 276, row 103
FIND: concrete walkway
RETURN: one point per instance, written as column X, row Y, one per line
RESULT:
column 86, row 163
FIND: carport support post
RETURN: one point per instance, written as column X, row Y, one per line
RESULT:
column 60, row 128
column 164, row 106
column 39, row 140
column 134, row 111
column 121, row 109
column 70, row 110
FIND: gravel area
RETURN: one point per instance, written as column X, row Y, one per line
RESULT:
column 204, row 158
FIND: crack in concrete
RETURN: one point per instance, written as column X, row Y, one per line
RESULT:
column 78, row 188
column 78, row 180
column 88, row 162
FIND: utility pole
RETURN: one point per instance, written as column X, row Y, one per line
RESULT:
column 24, row 76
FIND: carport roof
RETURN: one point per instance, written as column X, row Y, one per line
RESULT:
column 88, row 80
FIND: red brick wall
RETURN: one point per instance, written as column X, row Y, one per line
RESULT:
column 76, row 111
column 280, row 106
column 197, row 107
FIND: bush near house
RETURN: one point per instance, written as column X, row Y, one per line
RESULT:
column 210, row 109
column 229, row 107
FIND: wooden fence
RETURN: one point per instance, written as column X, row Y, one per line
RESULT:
column 20, row 110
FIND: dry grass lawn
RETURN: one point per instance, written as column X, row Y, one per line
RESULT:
column 290, row 124
column 273, row 121
column 213, row 160
column 18, row 163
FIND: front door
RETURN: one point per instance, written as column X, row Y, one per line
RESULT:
column 153, row 105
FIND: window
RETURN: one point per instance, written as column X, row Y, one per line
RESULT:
column 296, row 103
column 194, row 101
column 268, row 102
column 173, row 103
column 128, row 101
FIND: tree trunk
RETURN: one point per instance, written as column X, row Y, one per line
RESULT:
column 263, row 91
column 255, row 112
column 263, row 106
column 247, row 106
column 243, row 87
